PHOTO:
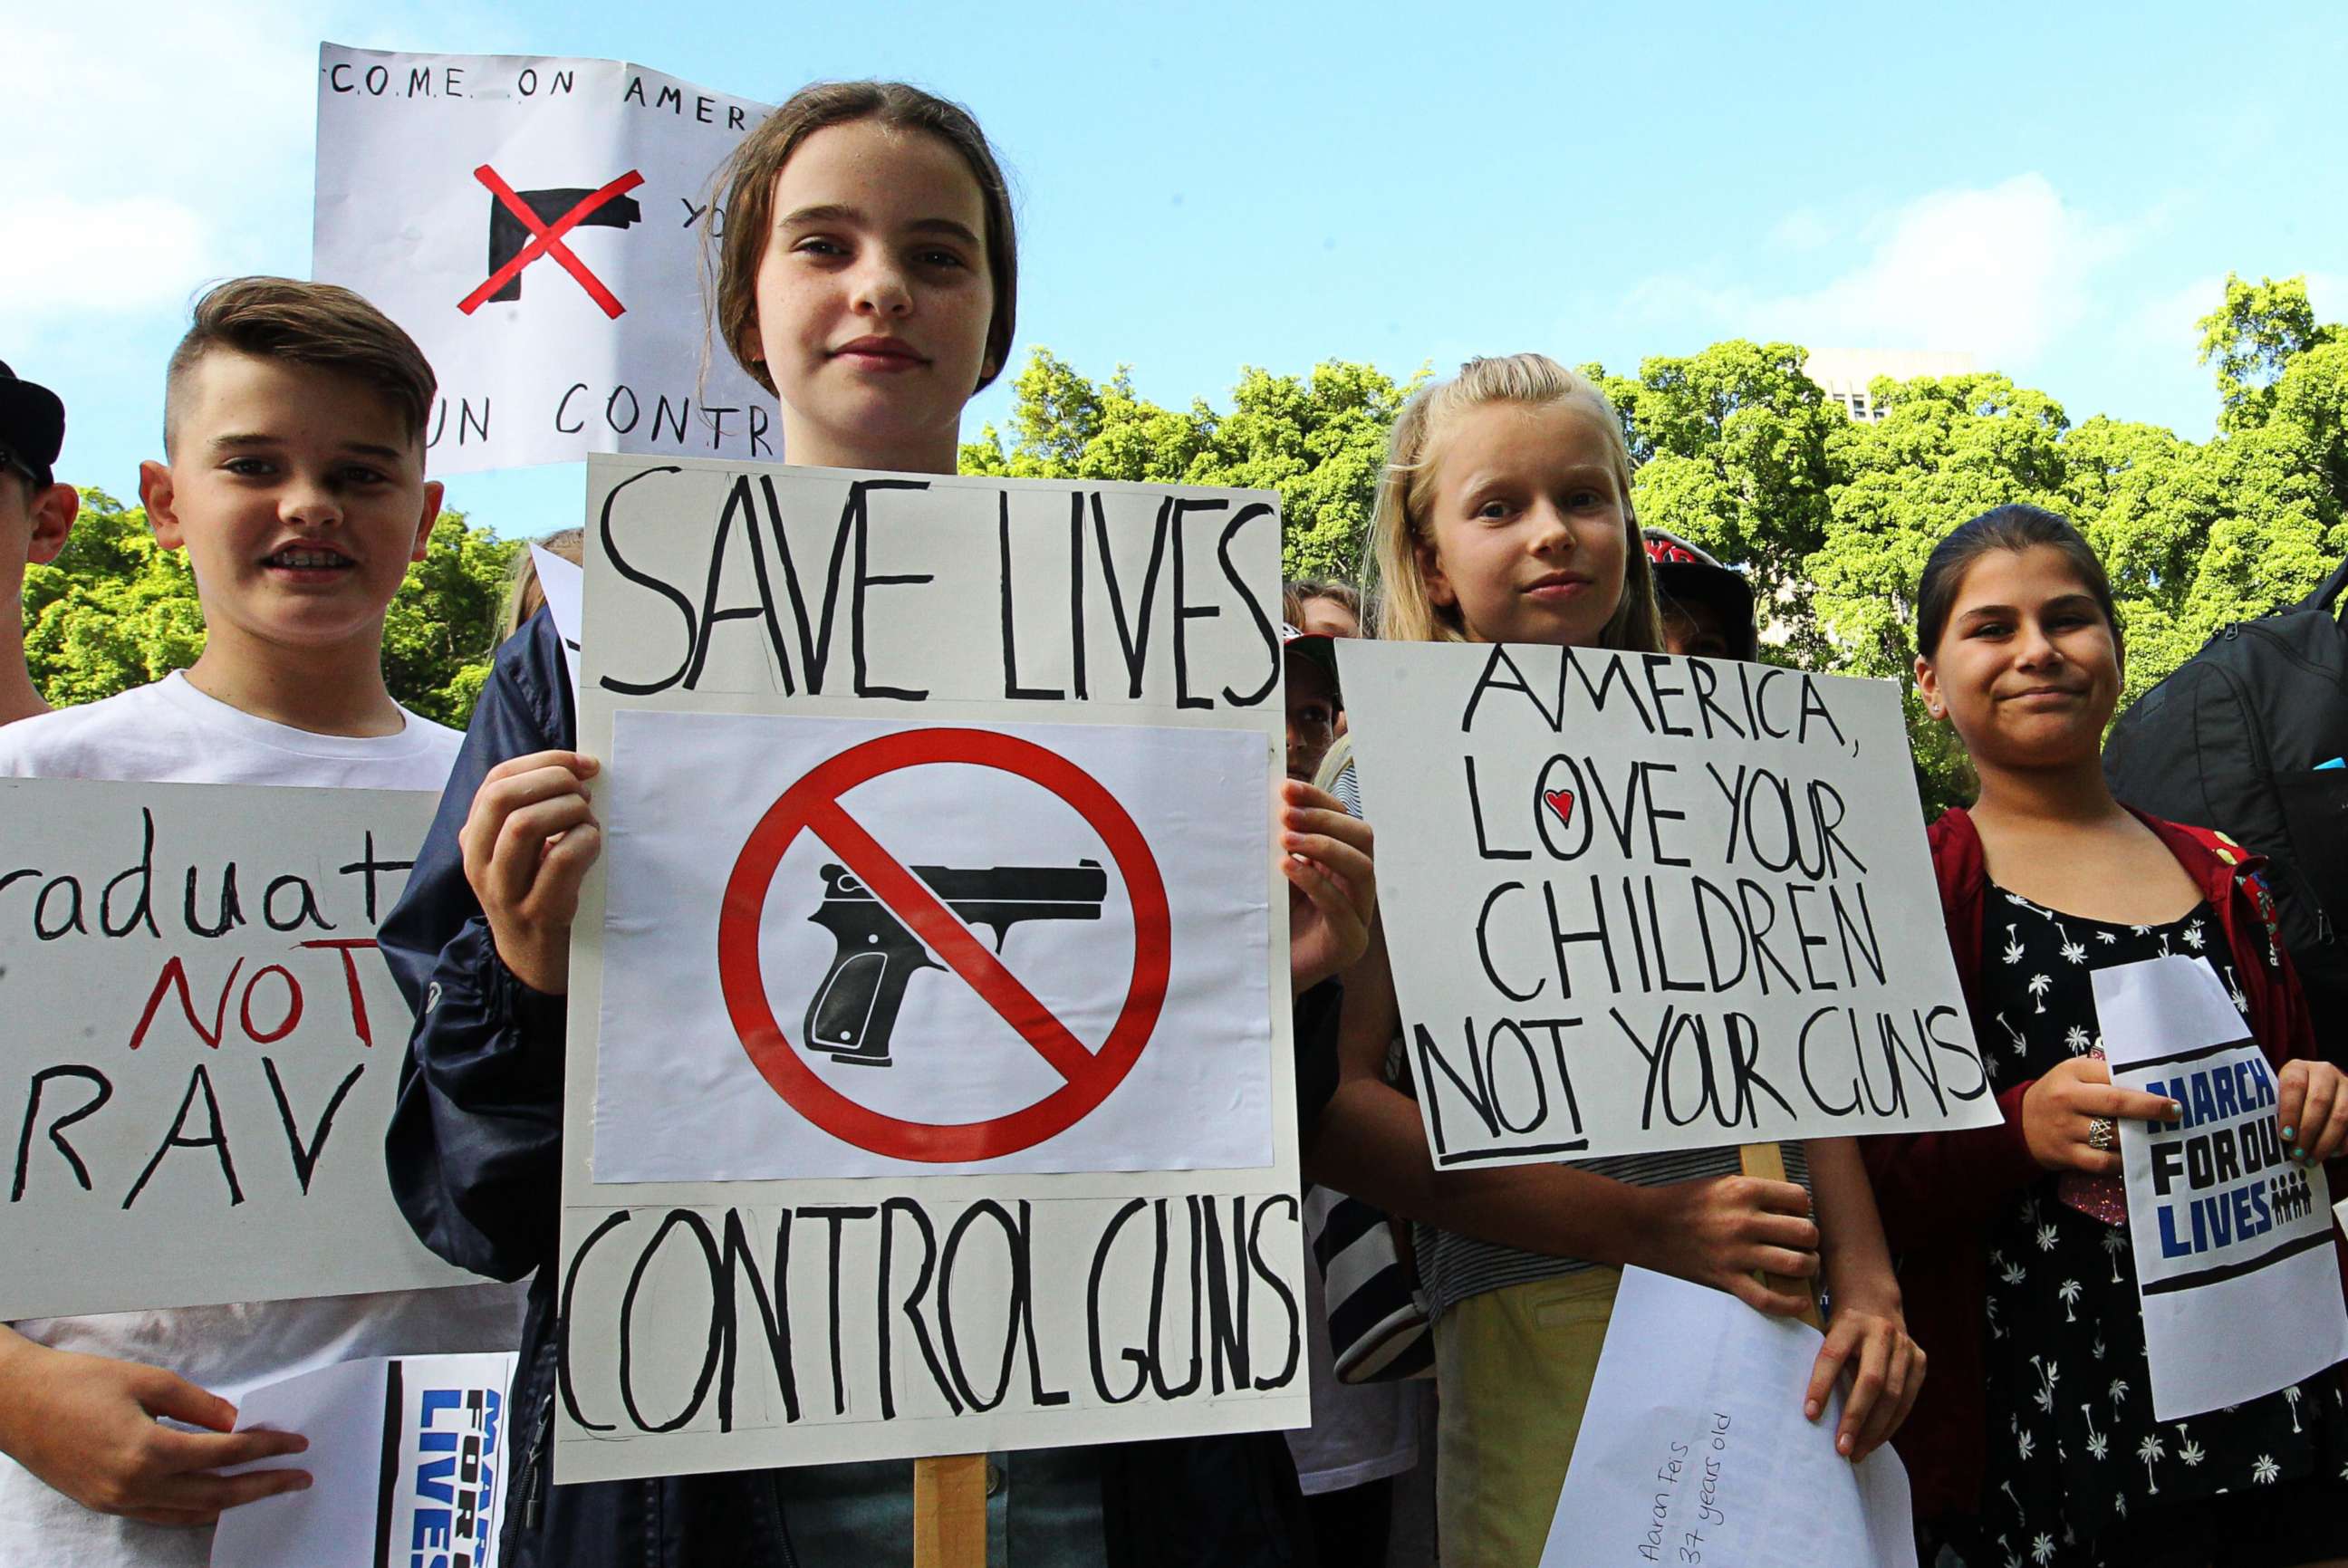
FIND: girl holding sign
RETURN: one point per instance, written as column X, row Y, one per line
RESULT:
column 868, row 277
column 1504, row 515
column 2016, row 1253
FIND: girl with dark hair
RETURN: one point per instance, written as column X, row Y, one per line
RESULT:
column 867, row 278
column 2034, row 1440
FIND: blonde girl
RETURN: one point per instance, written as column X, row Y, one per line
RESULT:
column 1504, row 515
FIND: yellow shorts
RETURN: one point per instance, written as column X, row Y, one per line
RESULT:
column 1514, row 1367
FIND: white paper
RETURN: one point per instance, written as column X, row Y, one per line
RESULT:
column 1646, row 903
column 193, row 1118
column 409, row 146
column 2232, row 1241
column 561, row 582
column 1036, row 663
column 680, row 1098
column 408, row 1456
column 1693, row 1449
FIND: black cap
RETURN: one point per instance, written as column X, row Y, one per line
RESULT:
column 1689, row 572
column 32, row 426
column 1318, row 647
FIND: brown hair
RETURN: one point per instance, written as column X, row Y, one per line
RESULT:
column 1337, row 591
column 318, row 325
column 2017, row 528
column 747, row 181
column 1399, row 522
column 527, row 596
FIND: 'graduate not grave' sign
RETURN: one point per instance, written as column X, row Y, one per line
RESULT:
column 1640, row 903
column 200, row 1044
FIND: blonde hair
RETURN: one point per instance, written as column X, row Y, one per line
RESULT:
column 1400, row 522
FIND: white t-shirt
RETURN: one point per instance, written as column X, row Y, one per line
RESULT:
column 171, row 733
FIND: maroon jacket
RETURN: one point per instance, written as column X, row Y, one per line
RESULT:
column 1938, row 1191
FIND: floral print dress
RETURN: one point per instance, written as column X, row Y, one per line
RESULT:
column 2074, row 1454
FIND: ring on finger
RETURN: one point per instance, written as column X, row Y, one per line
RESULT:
column 2103, row 1133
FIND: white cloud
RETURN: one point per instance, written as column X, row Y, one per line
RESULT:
column 1999, row 272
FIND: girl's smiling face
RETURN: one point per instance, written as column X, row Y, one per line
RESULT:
column 2028, row 669
column 874, row 298
column 1527, row 534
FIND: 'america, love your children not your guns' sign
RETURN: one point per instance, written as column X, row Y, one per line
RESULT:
column 1650, row 903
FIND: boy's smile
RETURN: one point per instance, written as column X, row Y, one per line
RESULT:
column 299, row 497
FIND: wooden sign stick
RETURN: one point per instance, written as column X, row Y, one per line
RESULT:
column 1766, row 1162
column 950, row 1511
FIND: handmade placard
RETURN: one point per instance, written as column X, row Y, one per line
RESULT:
column 927, row 1085
column 202, row 1044
column 538, row 225
column 1647, row 902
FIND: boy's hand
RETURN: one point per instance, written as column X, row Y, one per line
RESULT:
column 1333, row 888
column 88, row 1427
column 2314, row 1113
column 1868, row 1350
column 528, row 843
column 1724, row 1230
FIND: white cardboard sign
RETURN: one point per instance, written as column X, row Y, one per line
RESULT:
column 1694, row 1449
column 2232, row 1242
column 202, row 1044
column 1649, row 902
column 409, row 1462
column 927, row 1088
column 536, row 225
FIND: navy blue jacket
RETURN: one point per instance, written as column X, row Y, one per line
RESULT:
column 474, row 1150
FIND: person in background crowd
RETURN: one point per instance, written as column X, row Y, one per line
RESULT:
column 2037, row 1439
column 37, row 512
column 1706, row 609
column 293, row 478
column 527, row 598
column 868, row 276
column 1363, row 1435
column 1326, row 606
column 1504, row 515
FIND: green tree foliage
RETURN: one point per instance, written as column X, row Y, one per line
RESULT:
column 1317, row 440
column 116, row 611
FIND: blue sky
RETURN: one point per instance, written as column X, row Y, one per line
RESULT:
column 2059, row 189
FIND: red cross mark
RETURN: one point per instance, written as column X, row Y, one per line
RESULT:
column 547, row 241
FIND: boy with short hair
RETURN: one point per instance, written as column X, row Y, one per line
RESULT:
column 294, row 476
column 36, row 514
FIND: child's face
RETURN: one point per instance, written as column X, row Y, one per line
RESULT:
column 1527, row 528
column 1329, row 618
column 1312, row 718
column 299, row 497
column 2027, row 668
column 874, row 298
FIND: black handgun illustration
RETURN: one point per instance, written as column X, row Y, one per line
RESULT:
column 854, row 1011
column 508, row 235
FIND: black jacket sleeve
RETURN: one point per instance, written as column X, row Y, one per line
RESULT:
column 476, row 1135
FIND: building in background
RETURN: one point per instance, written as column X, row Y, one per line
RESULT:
column 1844, row 373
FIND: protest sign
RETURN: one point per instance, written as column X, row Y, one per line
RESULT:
column 203, row 1044
column 2232, row 1241
column 537, row 224
column 559, row 580
column 927, row 1087
column 1694, row 1448
column 408, row 1463
column 1649, row 902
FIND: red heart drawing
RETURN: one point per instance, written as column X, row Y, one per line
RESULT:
column 1561, row 803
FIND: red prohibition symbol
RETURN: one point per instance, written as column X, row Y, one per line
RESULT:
column 812, row 805
column 546, row 240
